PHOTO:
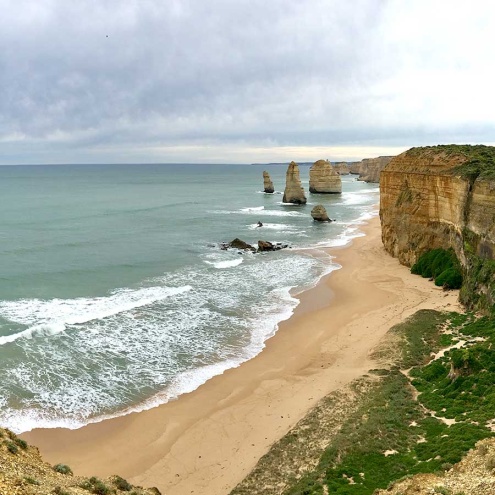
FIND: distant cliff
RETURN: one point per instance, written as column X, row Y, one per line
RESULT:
column 441, row 197
column 369, row 169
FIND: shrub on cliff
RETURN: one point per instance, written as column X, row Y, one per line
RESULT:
column 450, row 279
column 442, row 265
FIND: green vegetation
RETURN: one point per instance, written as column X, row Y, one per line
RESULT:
column 121, row 484
column 480, row 159
column 396, row 432
column 21, row 443
column 96, row 486
column 31, row 481
column 478, row 290
column 442, row 265
column 62, row 469
column 11, row 447
column 59, row 491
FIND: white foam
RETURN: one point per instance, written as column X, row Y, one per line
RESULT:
column 248, row 211
column 254, row 208
column 226, row 264
column 272, row 226
column 52, row 317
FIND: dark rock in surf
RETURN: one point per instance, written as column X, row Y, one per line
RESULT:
column 319, row 214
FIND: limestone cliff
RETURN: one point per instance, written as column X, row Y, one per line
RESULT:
column 441, row 196
column 342, row 168
column 355, row 167
column 370, row 168
column 294, row 192
column 267, row 183
column 323, row 179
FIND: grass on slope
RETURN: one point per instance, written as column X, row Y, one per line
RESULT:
column 396, row 433
column 480, row 159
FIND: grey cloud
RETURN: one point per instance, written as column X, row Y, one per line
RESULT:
column 77, row 75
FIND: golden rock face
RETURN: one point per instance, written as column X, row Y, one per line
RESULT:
column 294, row 192
column 423, row 206
column 370, row 168
column 323, row 179
column 267, row 183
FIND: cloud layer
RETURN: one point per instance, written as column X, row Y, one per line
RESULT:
column 250, row 80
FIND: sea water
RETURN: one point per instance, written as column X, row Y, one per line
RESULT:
column 115, row 295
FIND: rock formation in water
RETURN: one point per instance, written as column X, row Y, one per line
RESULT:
column 320, row 214
column 294, row 192
column 323, row 179
column 342, row 168
column 267, row 183
column 443, row 197
column 271, row 246
column 369, row 169
column 237, row 244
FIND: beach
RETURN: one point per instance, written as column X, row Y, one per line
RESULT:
column 208, row 440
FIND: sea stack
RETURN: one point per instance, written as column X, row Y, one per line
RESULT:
column 323, row 179
column 267, row 183
column 319, row 214
column 294, row 192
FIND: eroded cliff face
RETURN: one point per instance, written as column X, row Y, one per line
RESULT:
column 267, row 183
column 294, row 192
column 342, row 168
column 323, row 179
column 427, row 202
column 370, row 168
column 421, row 207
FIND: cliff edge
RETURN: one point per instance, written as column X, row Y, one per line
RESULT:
column 443, row 197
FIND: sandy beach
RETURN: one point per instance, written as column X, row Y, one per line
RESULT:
column 207, row 441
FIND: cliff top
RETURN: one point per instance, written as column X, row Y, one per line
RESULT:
column 470, row 161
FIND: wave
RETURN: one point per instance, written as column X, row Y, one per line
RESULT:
column 262, row 213
column 225, row 264
column 254, row 208
column 52, row 317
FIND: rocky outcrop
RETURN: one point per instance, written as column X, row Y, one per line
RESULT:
column 24, row 472
column 294, row 192
column 370, row 168
column 270, row 246
column 323, row 179
column 342, row 168
column 237, row 244
column 319, row 214
column 441, row 197
column 240, row 245
column 267, row 183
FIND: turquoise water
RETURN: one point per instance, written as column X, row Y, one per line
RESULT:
column 114, row 294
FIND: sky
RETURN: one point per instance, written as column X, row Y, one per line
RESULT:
column 242, row 81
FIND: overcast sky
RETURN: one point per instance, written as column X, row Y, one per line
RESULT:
column 242, row 81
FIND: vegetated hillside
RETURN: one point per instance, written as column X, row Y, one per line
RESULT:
column 421, row 413
column 444, row 197
column 23, row 472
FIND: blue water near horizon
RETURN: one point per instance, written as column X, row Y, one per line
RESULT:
column 115, row 296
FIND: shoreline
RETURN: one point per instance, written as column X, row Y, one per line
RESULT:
column 208, row 440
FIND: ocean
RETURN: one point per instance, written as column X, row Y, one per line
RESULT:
column 115, row 295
